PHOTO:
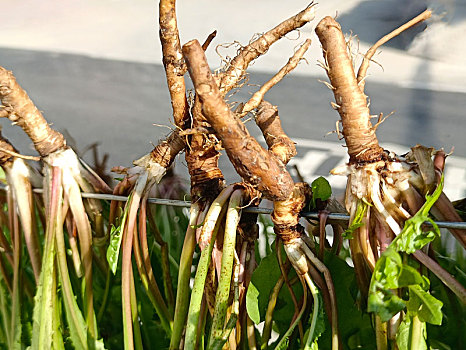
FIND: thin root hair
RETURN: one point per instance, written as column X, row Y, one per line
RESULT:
column 381, row 119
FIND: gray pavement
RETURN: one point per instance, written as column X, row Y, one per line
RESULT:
column 116, row 103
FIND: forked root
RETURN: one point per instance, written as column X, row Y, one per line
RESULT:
column 286, row 226
column 237, row 67
column 255, row 165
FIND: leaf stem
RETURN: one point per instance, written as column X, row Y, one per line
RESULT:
column 283, row 342
column 161, row 246
column 134, row 316
column 197, row 293
column 442, row 274
column 126, row 268
column 284, row 272
column 269, row 313
column 220, row 341
column 15, row 300
column 42, row 331
column 72, row 191
column 74, row 316
column 380, row 333
column 108, row 287
column 147, row 277
column 416, row 333
column 315, row 312
column 223, row 290
column 182, row 293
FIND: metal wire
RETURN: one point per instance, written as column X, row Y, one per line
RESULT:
column 258, row 210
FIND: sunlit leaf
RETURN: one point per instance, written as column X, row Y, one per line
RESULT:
column 424, row 305
column 320, row 190
column 413, row 237
column 404, row 336
column 391, row 273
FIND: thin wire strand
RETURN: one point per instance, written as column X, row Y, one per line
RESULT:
column 256, row 210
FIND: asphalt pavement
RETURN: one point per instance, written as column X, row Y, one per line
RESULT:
column 125, row 107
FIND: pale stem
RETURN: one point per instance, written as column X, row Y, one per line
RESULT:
column 184, row 274
column 315, row 310
column 223, row 290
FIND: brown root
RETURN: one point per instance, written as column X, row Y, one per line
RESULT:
column 350, row 101
column 165, row 152
column 202, row 157
column 209, row 39
column 175, row 68
column 22, row 111
column 258, row 47
column 254, row 164
column 370, row 53
column 278, row 142
column 6, row 149
column 285, row 214
column 258, row 96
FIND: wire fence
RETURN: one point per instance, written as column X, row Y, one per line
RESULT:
column 257, row 210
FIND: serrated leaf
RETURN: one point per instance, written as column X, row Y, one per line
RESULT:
column 320, row 189
column 98, row 344
column 413, row 237
column 388, row 269
column 410, row 276
column 45, row 297
column 390, row 272
column 425, row 306
column 384, row 303
column 382, row 300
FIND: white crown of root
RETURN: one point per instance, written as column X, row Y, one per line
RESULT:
column 147, row 164
column 380, row 184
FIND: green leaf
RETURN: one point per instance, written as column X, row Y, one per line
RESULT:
column 5, row 306
column 382, row 300
column 361, row 210
column 319, row 327
column 385, row 303
column 413, row 237
column 320, row 190
column 116, row 235
column 388, row 269
column 263, row 280
column 410, row 276
column 390, row 272
column 45, row 298
column 424, row 305
column 252, row 303
column 355, row 326
column 404, row 336
column 285, row 309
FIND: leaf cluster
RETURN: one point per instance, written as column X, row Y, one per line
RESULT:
column 394, row 271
